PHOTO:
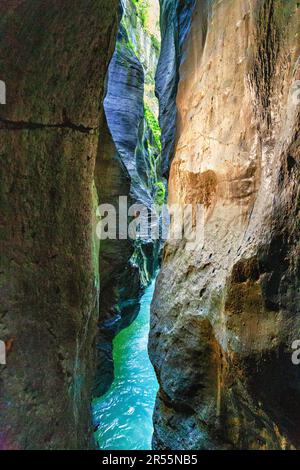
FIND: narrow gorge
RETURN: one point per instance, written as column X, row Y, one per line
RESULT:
column 225, row 316
column 117, row 107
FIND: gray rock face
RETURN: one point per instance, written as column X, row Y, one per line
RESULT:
column 54, row 59
column 61, row 156
column 175, row 23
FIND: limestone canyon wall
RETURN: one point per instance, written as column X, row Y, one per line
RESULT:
column 54, row 58
column 224, row 315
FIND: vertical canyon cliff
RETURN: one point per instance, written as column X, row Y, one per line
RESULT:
column 128, row 165
column 53, row 58
column 224, row 315
column 81, row 127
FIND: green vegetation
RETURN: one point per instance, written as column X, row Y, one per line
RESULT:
column 285, row 8
column 153, row 124
column 152, row 161
column 142, row 8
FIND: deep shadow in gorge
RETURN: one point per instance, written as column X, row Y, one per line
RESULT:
column 128, row 166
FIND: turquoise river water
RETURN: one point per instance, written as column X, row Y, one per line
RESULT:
column 124, row 413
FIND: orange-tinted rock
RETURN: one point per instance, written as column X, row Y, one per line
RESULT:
column 237, row 152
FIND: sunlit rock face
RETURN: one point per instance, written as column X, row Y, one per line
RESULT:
column 175, row 21
column 225, row 315
column 129, row 164
column 54, row 59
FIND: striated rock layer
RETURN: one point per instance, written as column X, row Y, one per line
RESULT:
column 225, row 314
column 175, row 21
column 54, row 58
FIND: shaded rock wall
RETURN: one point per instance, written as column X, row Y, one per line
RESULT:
column 54, row 58
column 225, row 315
column 175, row 20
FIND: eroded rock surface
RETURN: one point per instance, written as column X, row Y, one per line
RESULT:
column 225, row 315
column 54, row 59
column 128, row 165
